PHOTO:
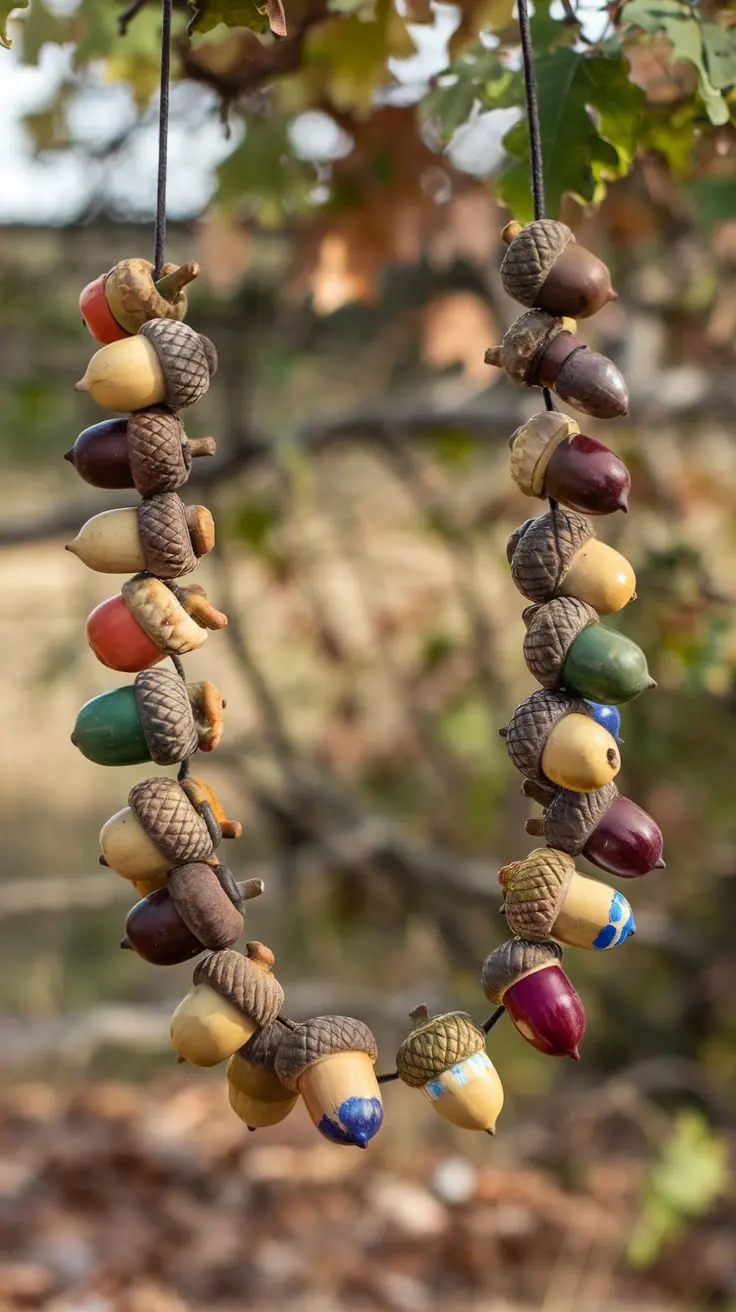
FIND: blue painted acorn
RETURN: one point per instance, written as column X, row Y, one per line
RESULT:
column 446, row 1057
column 608, row 716
column 330, row 1061
column 546, row 897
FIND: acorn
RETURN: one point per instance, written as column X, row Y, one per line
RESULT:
column 165, row 362
column 538, row 351
column 157, row 718
column 610, row 831
column 234, row 994
column 157, row 830
column 552, row 738
column 546, row 897
column 161, row 535
column 550, row 457
column 527, row 979
column 608, row 716
column 116, row 304
column 148, row 451
column 544, row 267
column 446, row 1057
column 566, row 647
column 150, row 620
column 200, row 909
column 256, row 1093
column 558, row 554
column 330, row 1061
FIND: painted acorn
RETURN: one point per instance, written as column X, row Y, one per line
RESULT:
column 538, row 351
column 116, row 304
column 166, row 362
column 256, row 1093
column 446, row 1057
column 552, row 738
column 150, row 620
column 566, row 647
column 550, row 457
column 161, row 535
column 200, row 909
column 159, row 828
column 527, row 979
column 234, row 994
column 330, row 1061
column 558, row 554
column 608, row 716
column 546, row 897
column 148, row 450
column 544, row 267
column 610, row 831
column 157, row 718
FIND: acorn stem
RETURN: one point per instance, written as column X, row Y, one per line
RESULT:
column 199, row 446
column 172, row 284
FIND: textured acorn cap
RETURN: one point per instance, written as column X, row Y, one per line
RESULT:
column 531, row 724
column 543, row 552
column 516, row 957
column 530, row 257
column 188, row 360
column 204, row 906
column 551, row 630
column 162, row 616
column 166, row 716
column 523, row 343
column 436, row 1044
column 532, row 446
column 164, row 811
column 321, row 1037
column 244, row 980
column 165, row 538
column 159, row 455
column 571, row 818
column 261, row 1048
column 534, row 890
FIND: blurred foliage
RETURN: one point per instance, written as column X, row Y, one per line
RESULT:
column 691, row 1173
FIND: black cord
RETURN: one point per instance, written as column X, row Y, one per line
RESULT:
column 159, row 235
column 493, row 1020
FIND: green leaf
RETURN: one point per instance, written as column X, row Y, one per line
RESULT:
column 41, row 27
column 686, row 33
column 691, row 1173
column 6, row 9
column 263, row 174
column 719, row 45
column 477, row 77
column 715, row 200
column 590, row 119
column 233, row 13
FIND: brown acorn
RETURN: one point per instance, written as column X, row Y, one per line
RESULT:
column 558, row 554
column 134, row 297
column 550, row 457
column 553, row 737
column 234, row 994
column 147, row 450
column 538, row 351
column 544, row 267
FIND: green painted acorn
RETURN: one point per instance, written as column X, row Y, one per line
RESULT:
column 566, row 647
column 157, row 718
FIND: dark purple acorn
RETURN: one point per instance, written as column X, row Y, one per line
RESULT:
column 100, row 454
column 155, row 930
column 550, row 457
column 626, row 842
column 201, row 908
column 527, row 979
column 539, row 351
column 545, row 267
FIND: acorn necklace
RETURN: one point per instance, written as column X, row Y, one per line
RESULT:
column 563, row 738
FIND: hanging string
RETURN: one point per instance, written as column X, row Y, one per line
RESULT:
column 159, row 232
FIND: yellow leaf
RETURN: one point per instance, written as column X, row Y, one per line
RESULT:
column 5, row 11
column 141, row 76
column 353, row 53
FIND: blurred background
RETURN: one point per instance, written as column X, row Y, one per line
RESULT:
column 344, row 193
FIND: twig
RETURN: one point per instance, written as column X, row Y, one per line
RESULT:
column 129, row 14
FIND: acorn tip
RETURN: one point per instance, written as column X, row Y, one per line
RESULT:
column 661, row 864
column 126, row 944
column 103, row 861
column 492, row 1131
column 623, row 504
column 74, row 739
column 82, row 385
column 575, row 1054
column 180, row 1060
column 652, row 683
column 69, row 455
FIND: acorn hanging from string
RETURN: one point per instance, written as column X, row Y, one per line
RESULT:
column 558, row 554
column 234, row 994
column 566, row 647
column 552, row 737
column 200, row 909
column 527, row 979
column 330, row 1061
column 544, row 267
column 538, row 351
column 550, row 457
column 609, row 830
column 158, row 718
column 159, row 828
column 116, row 304
column 256, row 1093
column 161, row 536
column 546, row 897
column 148, row 621
column 165, row 362
column 446, row 1057
column 148, row 450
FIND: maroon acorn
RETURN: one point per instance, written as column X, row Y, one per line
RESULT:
column 200, row 909
column 155, row 930
column 148, row 450
column 100, row 454
column 545, row 267
column 550, row 457
column 527, row 979
column 627, row 841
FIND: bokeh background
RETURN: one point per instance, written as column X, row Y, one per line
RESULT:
column 363, row 502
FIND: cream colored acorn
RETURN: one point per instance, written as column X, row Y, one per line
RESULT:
column 546, row 897
column 446, row 1057
column 158, row 829
column 330, row 1061
column 557, row 554
column 553, row 738
column 166, row 361
column 256, row 1093
column 234, row 994
column 160, row 535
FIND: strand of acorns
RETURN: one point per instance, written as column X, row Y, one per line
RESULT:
column 563, row 738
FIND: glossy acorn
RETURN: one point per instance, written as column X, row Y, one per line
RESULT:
column 566, row 647
column 446, row 1057
column 528, row 980
column 538, row 351
column 330, row 1061
column 165, row 363
column 157, row 718
column 544, row 267
column 552, row 737
column 608, row 716
column 546, row 897
column 610, row 831
column 233, row 995
column 550, row 457
column 150, row 620
column 200, row 909
column 116, row 304
column 558, row 554
column 256, row 1093
column 147, row 450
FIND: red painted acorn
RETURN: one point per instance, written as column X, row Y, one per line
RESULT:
column 97, row 314
column 117, row 639
column 527, row 979
column 550, row 457
column 627, row 842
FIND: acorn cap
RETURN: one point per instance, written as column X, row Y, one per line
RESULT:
column 530, row 257
column 169, row 546
column 534, row 890
column 188, row 360
column 516, row 957
column 531, row 724
column 166, row 716
column 571, row 818
column 158, row 452
column 134, row 297
column 516, row 536
column 164, row 811
column 542, row 554
column 261, row 1048
column 323, row 1036
column 551, row 630
column 244, row 980
column 532, row 446
column 204, row 906
column 436, row 1044
column 162, row 616
column 523, row 344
